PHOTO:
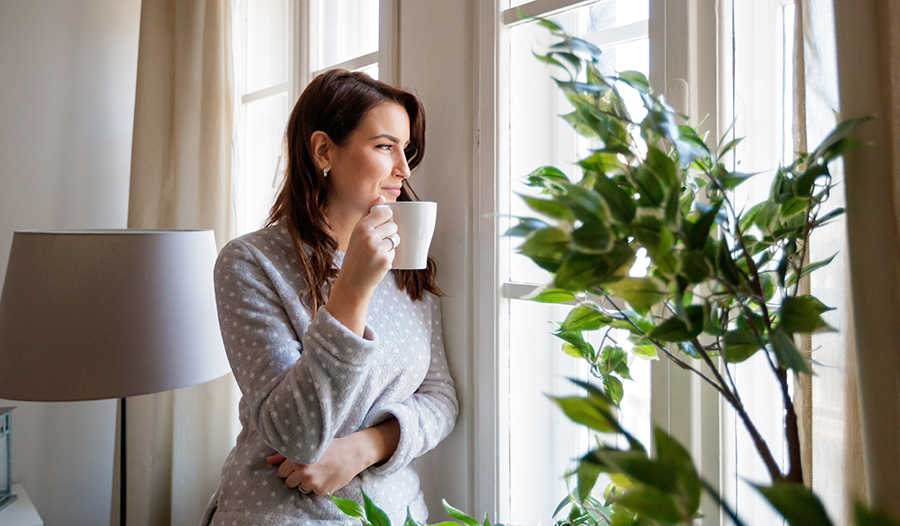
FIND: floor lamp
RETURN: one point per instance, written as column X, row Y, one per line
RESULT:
column 88, row 315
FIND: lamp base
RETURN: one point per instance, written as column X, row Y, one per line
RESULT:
column 6, row 501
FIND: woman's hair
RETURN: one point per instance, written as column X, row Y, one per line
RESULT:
column 336, row 102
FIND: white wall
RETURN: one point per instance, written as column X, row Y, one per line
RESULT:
column 67, row 80
column 436, row 51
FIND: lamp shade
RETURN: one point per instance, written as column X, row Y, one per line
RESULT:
column 87, row 315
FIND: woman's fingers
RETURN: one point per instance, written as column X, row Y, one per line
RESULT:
column 277, row 458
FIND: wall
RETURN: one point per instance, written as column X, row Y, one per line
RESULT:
column 67, row 80
column 436, row 47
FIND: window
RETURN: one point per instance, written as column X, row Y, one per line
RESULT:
column 542, row 443
column 708, row 68
column 279, row 46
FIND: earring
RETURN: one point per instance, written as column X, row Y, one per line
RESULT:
column 325, row 172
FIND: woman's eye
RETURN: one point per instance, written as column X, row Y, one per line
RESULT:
column 385, row 146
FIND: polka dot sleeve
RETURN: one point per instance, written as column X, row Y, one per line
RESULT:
column 298, row 390
column 429, row 415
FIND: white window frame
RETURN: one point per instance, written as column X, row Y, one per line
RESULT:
column 686, row 27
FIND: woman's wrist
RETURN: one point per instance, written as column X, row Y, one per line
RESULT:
column 377, row 444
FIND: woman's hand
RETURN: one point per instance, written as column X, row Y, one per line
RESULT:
column 343, row 459
column 368, row 258
column 337, row 467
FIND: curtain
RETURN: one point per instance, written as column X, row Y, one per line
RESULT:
column 181, row 174
column 868, row 58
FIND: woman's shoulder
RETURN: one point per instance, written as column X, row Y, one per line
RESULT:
column 267, row 241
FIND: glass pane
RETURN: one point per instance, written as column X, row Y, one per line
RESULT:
column 347, row 29
column 371, row 71
column 267, row 43
column 542, row 439
column 264, row 131
column 538, row 136
column 623, row 11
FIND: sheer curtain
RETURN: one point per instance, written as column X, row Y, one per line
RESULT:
column 868, row 56
column 848, row 55
column 181, row 178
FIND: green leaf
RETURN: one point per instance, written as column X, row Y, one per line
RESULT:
column 636, row 80
column 583, row 411
column 675, row 330
column 587, row 475
column 787, row 354
column 796, row 503
column 621, row 205
column 729, row 146
column 349, row 507
column 803, row 314
column 612, row 358
column 698, row 233
column 652, row 503
column 459, row 515
column 749, row 218
column 843, row 130
column 546, row 247
column 647, row 351
column 574, row 351
column 410, row 521
column 585, row 317
column 593, row 237
column 640, row 293
column 585, row 203
column 548, row 207
column 614, row 389
column 808, row 269
column 793, row 206
column 585, row 349
column 676, row 458
column 868, row 517
column 549, row 294
column 526, row 226
column 374, row 514
column 545, row 174
column 803, row 184
column 726, row 268
column 694, row 266
column 740, row 344
column 580, row 272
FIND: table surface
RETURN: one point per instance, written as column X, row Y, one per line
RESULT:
column 21, row 512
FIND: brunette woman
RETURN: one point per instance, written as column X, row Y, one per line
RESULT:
column 339, row 359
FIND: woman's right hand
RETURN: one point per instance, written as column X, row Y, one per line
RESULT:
column 368, row 258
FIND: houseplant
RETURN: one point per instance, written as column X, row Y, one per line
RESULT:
column 722, row 285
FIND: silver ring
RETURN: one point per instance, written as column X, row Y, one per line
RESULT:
column 393, row 238
column 300, row 488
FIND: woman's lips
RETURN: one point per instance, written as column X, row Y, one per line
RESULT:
column 394, row 190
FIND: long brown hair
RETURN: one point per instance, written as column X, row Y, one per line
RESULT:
column 336, row 102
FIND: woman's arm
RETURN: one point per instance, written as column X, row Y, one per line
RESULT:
column 344, row 459
column 297, row 393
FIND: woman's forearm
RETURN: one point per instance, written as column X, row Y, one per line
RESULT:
column 377, row 444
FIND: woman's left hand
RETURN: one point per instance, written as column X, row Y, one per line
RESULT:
column 334, row 470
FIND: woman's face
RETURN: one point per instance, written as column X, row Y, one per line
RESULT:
column 372, row 162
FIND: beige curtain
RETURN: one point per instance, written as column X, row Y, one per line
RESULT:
column 868, row 57
column 181, row 178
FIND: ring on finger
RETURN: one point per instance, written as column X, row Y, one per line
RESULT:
column 303, row 491
column 394, row 239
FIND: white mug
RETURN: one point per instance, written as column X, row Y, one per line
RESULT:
column 415, row 226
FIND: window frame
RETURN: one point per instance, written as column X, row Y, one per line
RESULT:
column 673, row 25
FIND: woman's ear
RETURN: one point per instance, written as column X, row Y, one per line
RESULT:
column 322, row 149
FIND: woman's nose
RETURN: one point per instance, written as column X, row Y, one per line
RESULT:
column 402, row 167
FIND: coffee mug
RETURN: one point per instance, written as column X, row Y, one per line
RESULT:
column 415, row 226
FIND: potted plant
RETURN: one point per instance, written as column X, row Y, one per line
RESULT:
column 722, row 285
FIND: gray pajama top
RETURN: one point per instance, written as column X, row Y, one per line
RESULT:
column 307, row 379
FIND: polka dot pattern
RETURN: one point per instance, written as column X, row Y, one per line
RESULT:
column 306, row 379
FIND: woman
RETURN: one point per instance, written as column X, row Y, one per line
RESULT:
column 339, row 360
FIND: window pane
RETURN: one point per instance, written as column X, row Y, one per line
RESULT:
column 267, row 48
column 624, row 11
column 543, row 441
column 347, row 29
column 538, row 136
column 264, row 130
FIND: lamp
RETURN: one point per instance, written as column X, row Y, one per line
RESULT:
column 88, row 315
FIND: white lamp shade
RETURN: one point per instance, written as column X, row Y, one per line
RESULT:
column 106, row 314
